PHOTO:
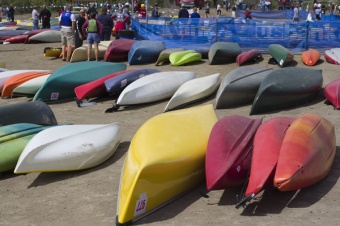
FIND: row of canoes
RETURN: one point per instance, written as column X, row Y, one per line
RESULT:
column 266, row 89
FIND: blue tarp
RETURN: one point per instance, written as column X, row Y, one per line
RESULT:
column 255, row 33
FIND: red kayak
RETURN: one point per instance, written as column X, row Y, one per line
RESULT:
column 16, row 39
column 118, row 50
column 332, row 92
column 267, row 144
column 229, row 151
column 95, row 88
column 247, row 56
column 306, row 154
column 310, row 57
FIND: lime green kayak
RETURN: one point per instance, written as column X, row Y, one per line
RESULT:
column 281, row 54
column 184, row 57
column 60, row 84
column 13, row 140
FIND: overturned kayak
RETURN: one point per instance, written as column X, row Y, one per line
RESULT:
column 16, row 80
column 223, row 52
column 35, row 112
column 287, row 87
column 305, row 161
column 118, row 50
column 145, row 52
column 184, row 57
column 239, row 87
column 117, row 84
column 164, row 55
column 30, row 87
column 60, row 84
column 267, row 144
column 310, row 57
column 194, row 90
column 248, row 56
column 152, row 176
column 69, row 147
column 13, row 139
column 332, row 55
column 154, row 87
column 281, row 54
column 229, row 150
column 332, row 92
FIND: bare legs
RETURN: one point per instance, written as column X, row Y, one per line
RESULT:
column 95, row 51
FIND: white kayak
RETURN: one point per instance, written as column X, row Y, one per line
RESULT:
column 194, row 90
column 30, row 87
column 80, row 53
column 154, row 87
column 5, row 75
column 48, row 36
column 69, row 147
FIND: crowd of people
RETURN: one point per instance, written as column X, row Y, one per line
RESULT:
column 92, row 27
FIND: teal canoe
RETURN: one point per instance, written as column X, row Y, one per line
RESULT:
column 60, row 85
column 13, row 140
column 223, row 52
column 184, row 57
column 281, row 54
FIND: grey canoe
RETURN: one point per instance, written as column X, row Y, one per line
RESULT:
column 287, row 87
column 239, row 87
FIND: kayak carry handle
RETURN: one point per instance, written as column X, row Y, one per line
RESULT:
column 114, row 108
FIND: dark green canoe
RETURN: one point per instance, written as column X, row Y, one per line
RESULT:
column 61, row 83
column 281, row 54
column 287, row 87
column 13, row 140
column 223, row 52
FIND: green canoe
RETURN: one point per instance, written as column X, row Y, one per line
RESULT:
column 164, row 55
column 223, row 52
column 184, row 57
column 60, row 85
column 281, row 54
column 13, row 140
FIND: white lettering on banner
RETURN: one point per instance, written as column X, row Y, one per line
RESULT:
column 141, row 204
column 123, row 83
column 54, row 96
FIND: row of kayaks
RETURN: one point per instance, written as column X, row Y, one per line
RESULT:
column 27, row 37
column 299, row 152
column 266, row 89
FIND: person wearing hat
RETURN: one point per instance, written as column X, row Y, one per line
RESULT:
column 141, row 11
column 127, row 11
column 35, row 18
column 155, row 12
column 183, row 12
column 45, row 16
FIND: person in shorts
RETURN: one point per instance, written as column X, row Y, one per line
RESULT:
column 67, row 22
column 93, row 28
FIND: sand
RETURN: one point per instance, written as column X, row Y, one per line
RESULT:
column 89, row 197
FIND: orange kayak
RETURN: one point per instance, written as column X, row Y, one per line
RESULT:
column 306, row 154
column 18, row 79
column 310, row 57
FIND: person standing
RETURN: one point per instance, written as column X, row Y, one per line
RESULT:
column 107, row 23
column 155, row 12
column 94, row 29
column 207, row 10
column 183, row 12
column 218, row 10
column 126, row 11
column 45, row 16
column 11, row 13
column 296, row 16
column 141, row 11
column 317, row 13
column 1, row 12
column 35, row 18
column 233, row 11
column 247, row 14
column 67, row 22
column 120, row 19
column 91, row 9
column 195, row 16
column 79, row 35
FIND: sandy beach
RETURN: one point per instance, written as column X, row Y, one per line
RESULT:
column 89, row 197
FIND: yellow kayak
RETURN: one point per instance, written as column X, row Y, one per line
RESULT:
column 52, row 52
column 165, row 159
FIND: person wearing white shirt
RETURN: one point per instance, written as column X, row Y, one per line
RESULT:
column 35, row 18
